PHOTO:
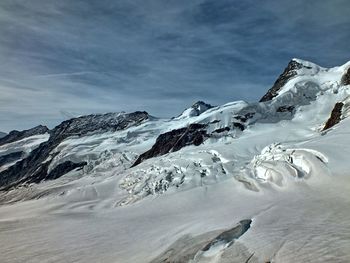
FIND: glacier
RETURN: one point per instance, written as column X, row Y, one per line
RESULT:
column 241, row 182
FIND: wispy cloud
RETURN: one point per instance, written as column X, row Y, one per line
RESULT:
column 160, row 56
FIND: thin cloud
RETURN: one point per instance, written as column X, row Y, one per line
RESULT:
column 160, row 56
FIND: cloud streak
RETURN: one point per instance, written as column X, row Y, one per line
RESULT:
column 160, row 56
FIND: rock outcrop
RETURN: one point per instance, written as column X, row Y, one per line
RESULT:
column 335, row 116
column 228, row 236
column 172, row 141
column 286, row 108
column 195, row 110
column 97, row 123
column 63, row 168
column 200, row 106
column 220, row 130
column 345, row 80
column 289, row 72
column 9, row 158
column 188, row 247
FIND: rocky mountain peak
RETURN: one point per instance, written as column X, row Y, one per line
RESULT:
column 293, row 68
column 196, row 109
column 97, row 123
column 345, row 80
column 201, row 106
column 34, row 168
column 19, row 135
column 289, row 72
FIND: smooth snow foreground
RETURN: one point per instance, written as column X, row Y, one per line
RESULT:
column 278, row 191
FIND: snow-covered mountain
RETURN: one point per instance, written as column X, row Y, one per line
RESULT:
column 241, row 182
column 196, row 109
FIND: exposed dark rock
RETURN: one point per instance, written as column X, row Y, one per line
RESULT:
column 172, row 141
column 239, row 126
column 289, row 72
column 9, row 158
column 214, row 121
column 34, row 168
column 285, row 108
column 230, row 235
column 187, row 247
column 97, row 123
column 345, row 80
column 28, row 169
column 196, row 109
column 220, row 130
column 245, row 117
column 335, row 116
column 64, row 168
column 19, row 135
column 201, row 106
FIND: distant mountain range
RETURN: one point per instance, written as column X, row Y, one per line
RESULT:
column 242, row 182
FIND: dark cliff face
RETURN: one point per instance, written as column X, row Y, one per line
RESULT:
column 335, row 116
column 11, row 157
column 172, row 141
column 60, row 170
column 345, row 80
column 96, row 123
column 19, row 135
column 200, row 106
column 34, row 168
column 289, row 72
column 196, row 109
column 286, row 108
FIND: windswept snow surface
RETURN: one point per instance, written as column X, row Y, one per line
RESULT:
column 281, row 172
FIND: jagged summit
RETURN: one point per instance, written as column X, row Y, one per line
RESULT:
column 241, row 162
column 201, row 106
column 345, row 80
column 306, row 64
column 299, row 72
column 289, row 72
column 195, row 110
column 18, row 135
column 97, row 123
column 300, row 84
column 35, row 167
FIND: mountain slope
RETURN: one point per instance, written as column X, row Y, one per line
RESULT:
column 35, row 167
column 240, row 182
column 14, row 136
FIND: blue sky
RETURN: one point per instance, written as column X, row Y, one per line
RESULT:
column 65, row 58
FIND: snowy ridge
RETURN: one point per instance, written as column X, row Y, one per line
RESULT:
column 310, row 87
column 268, row 168
column 196, row 109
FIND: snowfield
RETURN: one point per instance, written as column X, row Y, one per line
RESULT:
column 268, row 184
